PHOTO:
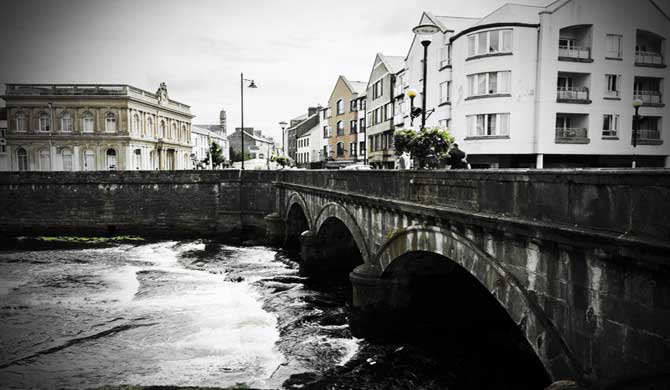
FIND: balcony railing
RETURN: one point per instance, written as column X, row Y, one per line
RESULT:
column 572, row 94
column 581, row 53
column 648, row 134
column 648, row 97
column 571, row 135
column 648, row 58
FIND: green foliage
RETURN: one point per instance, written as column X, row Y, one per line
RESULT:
column 237, row 156
column 216, row 154
column 429, row 147
column 282, row 160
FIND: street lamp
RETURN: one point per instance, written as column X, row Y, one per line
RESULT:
column 283, row 125
column 636, row 127
column 252, row 84
column 425, row 33
column 411, row 94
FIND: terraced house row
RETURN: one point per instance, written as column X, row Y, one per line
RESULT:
column 523, row 86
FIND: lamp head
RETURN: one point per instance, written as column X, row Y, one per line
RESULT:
column 252, row 84
column 425, row 32
column 283, row 124
column 411, row 93
column 637, row 103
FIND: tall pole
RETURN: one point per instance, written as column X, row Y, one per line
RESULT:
column 425, row 71
column 242, row 115
column 636, row 127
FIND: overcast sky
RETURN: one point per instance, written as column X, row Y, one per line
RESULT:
column 293, row 49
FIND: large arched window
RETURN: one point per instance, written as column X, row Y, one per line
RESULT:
column 66, row 122
column 161, row 130
column 45, row 121
column 87, row 122
column 45, row 160
column 110, row 122
column 111, row 159
column 183, row 134
column 89, row 160
column 150, row 127
column 66, row 157
column 340, row 149
column 173, row 132
column 152, row 160
column 20, row 119
column 138, row 159
column 340, row 128
column 136, row 124
column 22, row 159
column 340, row 107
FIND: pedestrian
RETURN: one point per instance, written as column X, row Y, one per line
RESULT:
column 457, row 158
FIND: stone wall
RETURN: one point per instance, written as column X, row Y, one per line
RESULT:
column 176, row 203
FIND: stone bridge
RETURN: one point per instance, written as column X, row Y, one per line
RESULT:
column 573, row 265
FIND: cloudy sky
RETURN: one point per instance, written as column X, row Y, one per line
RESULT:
column 293, row 49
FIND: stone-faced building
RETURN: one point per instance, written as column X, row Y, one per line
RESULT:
column 298, row 126
column 344, row 101
column 88, row 127
column 255, row 143
column 380, row 109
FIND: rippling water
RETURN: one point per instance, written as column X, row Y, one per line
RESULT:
column 177, row 313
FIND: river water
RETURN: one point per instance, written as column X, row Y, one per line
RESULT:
column 164, row 313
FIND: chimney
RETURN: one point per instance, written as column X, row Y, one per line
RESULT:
column 222, row 121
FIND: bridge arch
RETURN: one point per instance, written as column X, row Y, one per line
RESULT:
column 341, row 213
column 297, row 219
column 456, row 252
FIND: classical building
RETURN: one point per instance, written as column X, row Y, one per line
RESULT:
column 380, row 101
column 345, row 108
column 255, row 143
column 551, row 86
column 84, row 127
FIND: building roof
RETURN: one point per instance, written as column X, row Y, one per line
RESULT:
column 451, row 23
column 305, row 125
column 513, row 13
column 198, row 129
column 215, row 128
column 394, row 64
column 358, row 87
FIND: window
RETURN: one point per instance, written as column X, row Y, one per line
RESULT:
column 138, row 159
column 388, row 111
column 487, row 42
column 489, row 83
column 352, row 105
column 20, row 119
column 567, row 43
column 66, row 157
column 488, row 125
column 45, row 160
column 352, row 149
column 150, row 127
column 613, row 46
column 326, row 131
column 45, row 122
column 340, row 128
column 361, row 147
column 444, row 91
column 184, row 134
column 173, row 133
column 361, row 124
column 22, row 159
column 377, row 116
column 378, row 89
column 610, row 125
column 340, row 149
column 161, row 129
column 340, row 107
column 613, row 85
column 89, row 160
column 353, row 127
column 363, row 104
column 66, row 122
column 445, row 56
column 111, row 159
column 110, row 122
column 136, row 124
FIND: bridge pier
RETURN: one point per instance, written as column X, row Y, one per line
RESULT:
column 274, row 228
column 379, row 305
column 326, row 255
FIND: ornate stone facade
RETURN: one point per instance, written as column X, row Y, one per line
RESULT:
column 95, row 127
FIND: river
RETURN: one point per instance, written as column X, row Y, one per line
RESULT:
column 164, row 313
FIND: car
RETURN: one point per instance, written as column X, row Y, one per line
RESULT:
column 356, row 167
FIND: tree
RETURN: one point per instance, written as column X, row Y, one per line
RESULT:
column 429, row 147
column 216, row 154
column 237, row 156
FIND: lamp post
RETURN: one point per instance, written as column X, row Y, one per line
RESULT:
column 251, row 85
column 283, row 125
column 425, row 33
column 636, row 127
column 411, row 94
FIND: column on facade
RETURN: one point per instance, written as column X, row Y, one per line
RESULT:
column 75, row 158
column 130, row 158
column 539, row 161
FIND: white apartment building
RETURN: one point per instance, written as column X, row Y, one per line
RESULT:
column 201, row 139
column 309, row 147
column 553, row 86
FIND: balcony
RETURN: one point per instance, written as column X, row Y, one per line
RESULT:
column 648, row 90
column 649, row 133
column 649, row 49
column 573, row 95
column 574, row 43
column 649, row 98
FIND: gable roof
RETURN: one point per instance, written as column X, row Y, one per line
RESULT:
column 394, row 64
column 516, row 13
